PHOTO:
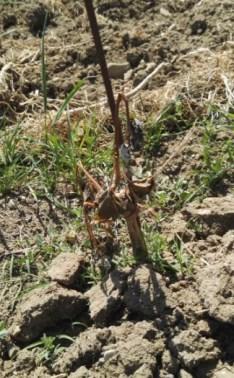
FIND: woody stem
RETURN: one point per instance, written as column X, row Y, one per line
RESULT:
column 137, row 238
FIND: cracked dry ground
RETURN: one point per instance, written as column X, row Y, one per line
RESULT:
column 140, row 320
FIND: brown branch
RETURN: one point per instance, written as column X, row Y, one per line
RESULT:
column 94, row 185
column 110, row 203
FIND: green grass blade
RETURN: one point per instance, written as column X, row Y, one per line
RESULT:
column 43, row 66
column 70, row 95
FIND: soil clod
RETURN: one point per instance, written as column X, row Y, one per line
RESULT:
column 66, row 269
column 105, row 299
column 146, row 292
column 216, row 212
column 216, row 288
column 43, row 308
column 85, row 351
column 193, row 350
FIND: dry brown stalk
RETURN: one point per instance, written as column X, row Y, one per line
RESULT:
column 120, row 199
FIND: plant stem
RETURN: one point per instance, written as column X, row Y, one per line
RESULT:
column 101, row 55
column 133, row 222
column 137, row 238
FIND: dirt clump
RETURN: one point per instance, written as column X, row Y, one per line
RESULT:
column 26, row 361
column 85, row 351
column 215, row 212
column 224, row 372
column 193, row 350
column 184, row 374
column 186, row 301
column 228, row 241
column 144, row 329
column 105, row 299
column 43, row 308
column 216, row 285
column 129, row 349
column 8, row 20
column 66, row 269
column 130, row 357
column 81, row 372
column 38, row 19
column 146, row 293
column 178, row 227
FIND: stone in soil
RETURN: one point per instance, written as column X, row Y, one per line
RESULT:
column 117, row 70
column 105, row 299
column 194, row 350
column 43, row 308
column 216, row 212
column 146, row 293
column 66, row 268
column 216, row 288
